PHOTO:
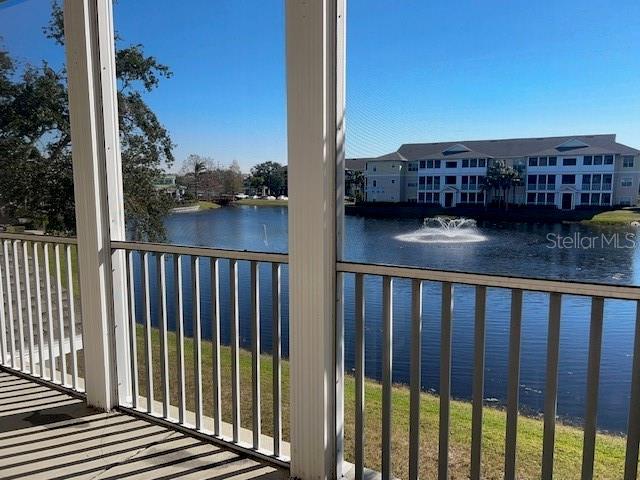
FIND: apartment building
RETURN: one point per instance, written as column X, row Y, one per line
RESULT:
column 565, row 172
column 391, row 178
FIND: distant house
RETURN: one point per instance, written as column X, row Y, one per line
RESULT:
column 565, row 172
column 166, row 183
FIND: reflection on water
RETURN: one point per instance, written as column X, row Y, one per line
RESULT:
column 520, row 250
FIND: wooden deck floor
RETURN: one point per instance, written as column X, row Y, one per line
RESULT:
column 50, row 435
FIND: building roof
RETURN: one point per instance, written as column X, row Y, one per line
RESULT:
column 517, row 147
column 357, row 164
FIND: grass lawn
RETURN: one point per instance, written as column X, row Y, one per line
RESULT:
column 610, row 449
column 207, row 205
column 63, row 268
column 615, row 217
column 260, row 202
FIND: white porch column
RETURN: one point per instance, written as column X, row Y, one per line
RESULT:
column 88, row 29
column 314, row 89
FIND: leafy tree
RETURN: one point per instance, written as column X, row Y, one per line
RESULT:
column 501, row 177
column 194, row 168
column 233, row 179
column 35, row 140
column 271, row 175
column 354, row 184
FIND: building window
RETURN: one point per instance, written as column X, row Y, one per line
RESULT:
column 569, row 162
column 608, row 159
column 533, row 161
column 597, row 160
column 584, row 199
column 421, row 197
column 473, row 162
column 450, row 180
column 393, row 181
column 627, row 161
column 568, row 179
column 551, row 198
column 626, row 201
column 423, row 164
column 551, row 180
column 606, row 199
column 412, row 167
column 465, row 163
column 595, row 199
column 542, row 161
column 375, row 183
column 374, row 169
column 482, row 162
column 553, row 161
column 626, row 182
column 531, row 181
column 587, row 160
column 421, row 180
column 452, row 164
column 606, row 182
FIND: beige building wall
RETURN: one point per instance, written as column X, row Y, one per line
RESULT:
column 385, row 180
column 626, row 180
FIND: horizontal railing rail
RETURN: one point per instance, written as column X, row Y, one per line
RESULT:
column 568, row 287
column 517, row 286
column 208, row 252
column 40, row 317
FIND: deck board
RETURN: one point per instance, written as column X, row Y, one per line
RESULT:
column 47, row 434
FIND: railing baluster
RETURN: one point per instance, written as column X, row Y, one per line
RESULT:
column 164, row 346
column 633, row 424
column 3, row 323
column 179, row 313
column 36, row 267
column 16, row 266
column 416, row 379
column 276, row 352
column 551, row 389
column 359, row 365
column 387, row 369
column 478, row 383
column 215, row 341
column 47, row 282
column 197, row 338
column 235, row 360
column 72, row 319
column 511, row 434
column 12, row 332
column 148, row 354
column 61, row 352
column 29, row 306
column 133, row 331
column 593, row 379
column 446, row 322
column 255, row 352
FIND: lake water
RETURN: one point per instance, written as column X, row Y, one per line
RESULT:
column 513, row 249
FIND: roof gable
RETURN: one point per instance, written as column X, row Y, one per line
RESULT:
column 572, row 144
column 457, row 148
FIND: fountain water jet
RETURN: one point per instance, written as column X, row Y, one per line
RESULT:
column 444, row 230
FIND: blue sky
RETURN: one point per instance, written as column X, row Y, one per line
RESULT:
column 419, row 70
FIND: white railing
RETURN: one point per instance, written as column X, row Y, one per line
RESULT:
column 246, row 437
column 33, row 286
column 447, row 281
column 40, row 318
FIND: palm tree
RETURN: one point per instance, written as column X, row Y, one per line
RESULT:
column 501, row 177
